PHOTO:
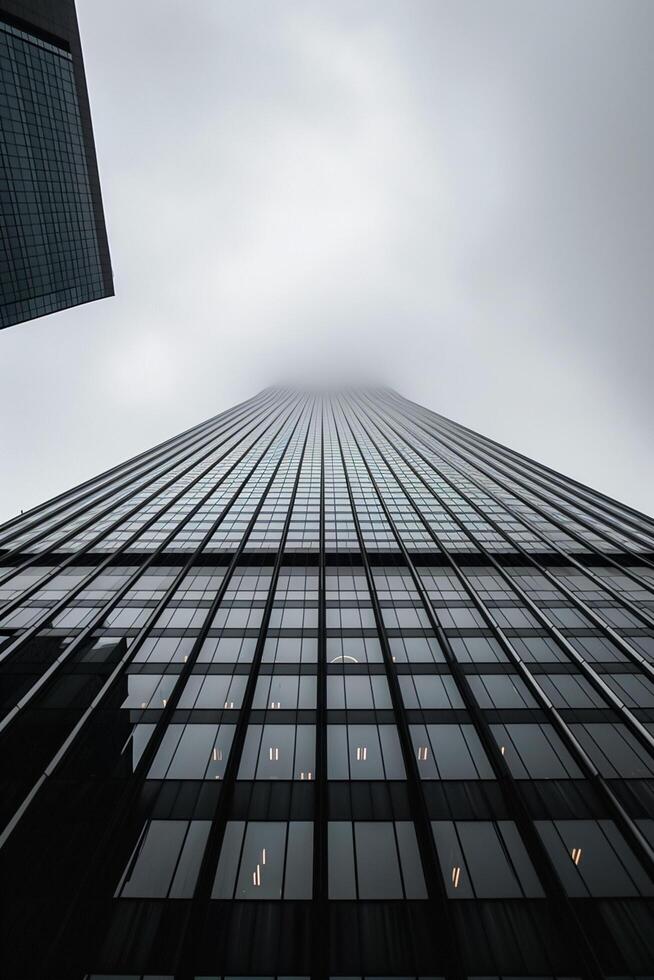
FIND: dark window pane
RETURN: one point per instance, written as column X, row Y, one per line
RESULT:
column 449, row 752
column 592, row 858
column 378, row 871
column 166, row 860
column 299, row 860
column 340, row 849
column 535, row 751
column 410, row 863
column 228, row 863
column 614, row 750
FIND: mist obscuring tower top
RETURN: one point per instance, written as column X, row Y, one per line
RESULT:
column 328, row 686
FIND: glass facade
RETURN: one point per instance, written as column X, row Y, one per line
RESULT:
column 53, row 250
column 328, row 686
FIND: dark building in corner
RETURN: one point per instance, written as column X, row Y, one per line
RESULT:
column 328, row 687
column 53, row 241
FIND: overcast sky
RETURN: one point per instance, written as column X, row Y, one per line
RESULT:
column 452, row 198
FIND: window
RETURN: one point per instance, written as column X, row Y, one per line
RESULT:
column 617, row 617
column 364, row 752
column 449, row 752
column 353, row 650
column 416, row 649
column 148, row 690
column 460, row 618
column 213, row 691
column 166, row 860
column 514, row 618
column 235, row 617
column 164, row 649
column 570, row 691
column 538, row 649
column 635, row 690
column 292, row 618
column 126, row 618
column 430, row 691
column 442, row 584
column 290, row 650
column 285, row 691
column 182, row 618
column 102, row 650
column 501, row 691
column 597, row 649
column 193, row 752
column 377, row 860
column 477, row 649
column 356, row 617
column 404, row 618
column 228, row 649
column 137, row 743
column 535, row 752
column 592, row 858
column 279, row 752
column 70, row 618
column 362, row 691
column 566, row 617
column 614, row 750
column 484, row 859
column 265, row 860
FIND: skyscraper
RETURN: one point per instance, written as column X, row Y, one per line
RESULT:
column 328, row 686
column 53, row 242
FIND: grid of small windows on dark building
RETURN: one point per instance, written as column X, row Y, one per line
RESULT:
column 328, row 686
column 53, row 247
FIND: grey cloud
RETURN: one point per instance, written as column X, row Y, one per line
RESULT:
column 449, row 197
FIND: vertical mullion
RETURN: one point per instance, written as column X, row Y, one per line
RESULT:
column 100, row 872
column 320, row 910
column 202, row 894
column 442, row 917
column 633, row 833
column 548, row 874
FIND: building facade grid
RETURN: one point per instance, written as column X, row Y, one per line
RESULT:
column 53, row 244
column 328, row 686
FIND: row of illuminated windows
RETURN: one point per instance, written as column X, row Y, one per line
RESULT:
column 373, row 752
column 381, row 860
column 273, row 691
column 278, row 752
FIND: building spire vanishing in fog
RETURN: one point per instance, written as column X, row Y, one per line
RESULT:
column 328, row 686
